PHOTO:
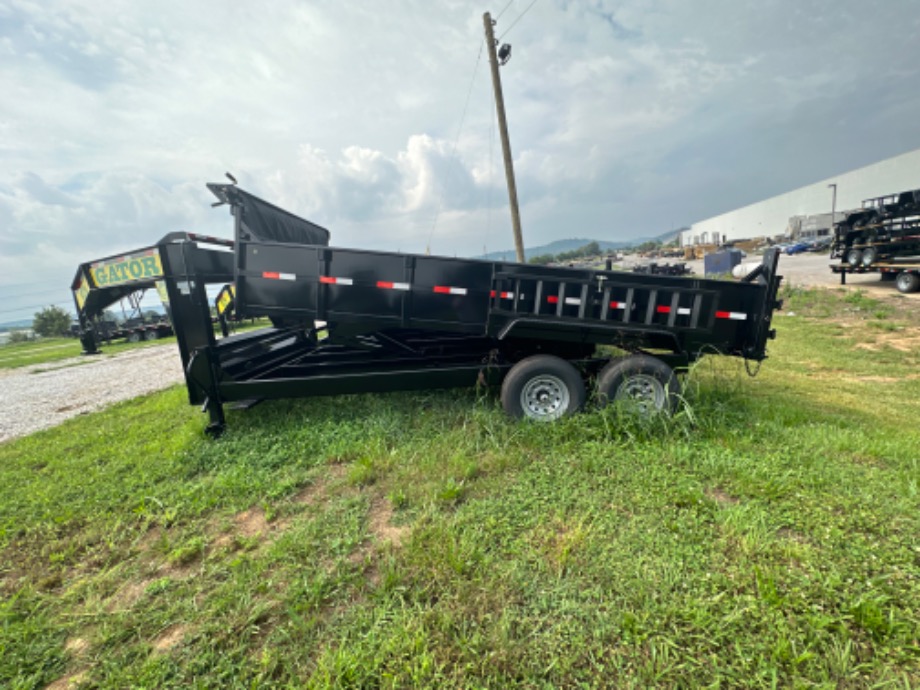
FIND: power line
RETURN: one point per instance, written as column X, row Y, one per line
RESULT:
column 498, row 16
column 36, row 306
column 520, row 16
column 457, row 139
column 30, row 294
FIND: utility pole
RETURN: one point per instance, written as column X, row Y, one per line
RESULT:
column 506, row 144
column 833, row 205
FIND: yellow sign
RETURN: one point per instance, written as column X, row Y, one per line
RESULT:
column 81, row 292
column 127, row 269
column 162, row 292
column 225, row 298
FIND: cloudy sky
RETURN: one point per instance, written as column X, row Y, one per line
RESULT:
column 627, row 118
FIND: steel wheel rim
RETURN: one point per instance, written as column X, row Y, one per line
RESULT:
column 643, row 393
column 545, row 398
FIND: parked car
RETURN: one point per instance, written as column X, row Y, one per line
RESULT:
column 797, row 248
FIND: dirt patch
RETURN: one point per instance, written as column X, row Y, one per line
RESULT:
column 380, row 523
column 149, row 540
column 71, row 680
column 895, row 341
column 721, row 497
column 76, row 646
column 170, row 637
column 251, row 522
column 128, row 595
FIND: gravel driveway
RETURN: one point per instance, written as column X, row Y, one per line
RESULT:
column 43, row 395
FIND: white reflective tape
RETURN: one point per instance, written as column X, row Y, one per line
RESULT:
column 618, row 305
column 733, row 315
column 458, row 291
column 344, row 281
column 287, row 276
column 572, row 300
column 683, row 311
column 402, row 286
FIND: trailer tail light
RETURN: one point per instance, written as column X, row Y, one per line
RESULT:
column 733, row 315
column 444, row 290
column 393, row 286
column 329, row 280
column 271, row 275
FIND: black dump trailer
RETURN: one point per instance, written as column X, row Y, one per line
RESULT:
column 355, row 321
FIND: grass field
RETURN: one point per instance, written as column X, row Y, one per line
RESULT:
column 767, row 536
column 45, row 350
column 15, row 355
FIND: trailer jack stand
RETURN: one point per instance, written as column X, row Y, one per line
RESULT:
column 217, row 423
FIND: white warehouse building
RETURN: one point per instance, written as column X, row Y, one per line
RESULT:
column 771, row 217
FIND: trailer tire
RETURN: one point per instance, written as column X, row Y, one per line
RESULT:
column 869, row 256
column 642, row 384
column 908, row 282
column 152, row 334
column 854, row 257
column 134, row 337
column 542, row 388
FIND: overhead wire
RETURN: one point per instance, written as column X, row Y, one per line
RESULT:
column 520, row 16
column 456, row 140
column 498, row 16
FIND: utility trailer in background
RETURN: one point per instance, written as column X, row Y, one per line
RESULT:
column 905, row 275
column 884, row 230
column 355, row 321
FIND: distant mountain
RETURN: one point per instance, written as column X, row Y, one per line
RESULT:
column 556, row 247
column 568, row 245
column 13, row 325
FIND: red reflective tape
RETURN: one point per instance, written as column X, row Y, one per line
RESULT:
column 662, row 309
column 552, row 299
column 327, row 280
column 618, row 305
column 271, row 274
column 442, row 290
column 386, row 285
column 733, row 315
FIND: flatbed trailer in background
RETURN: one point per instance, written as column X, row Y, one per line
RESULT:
column 905, row 275
column 354, row 321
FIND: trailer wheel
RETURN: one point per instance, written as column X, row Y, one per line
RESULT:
column 908, row 282
column 869, row 256
column 642, row 384
column 151, row 335
column 134, row 337
column 854, row 256
column 542, row 388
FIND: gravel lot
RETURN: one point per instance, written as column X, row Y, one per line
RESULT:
column 43, row 395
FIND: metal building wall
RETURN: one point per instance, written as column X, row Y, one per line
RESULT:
column 770, row 217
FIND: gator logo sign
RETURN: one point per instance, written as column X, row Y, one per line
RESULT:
column 127, row 269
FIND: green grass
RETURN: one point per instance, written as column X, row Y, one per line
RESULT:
column 766, row 536
column 50, row 350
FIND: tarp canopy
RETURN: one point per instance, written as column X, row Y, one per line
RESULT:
column 266, row 222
